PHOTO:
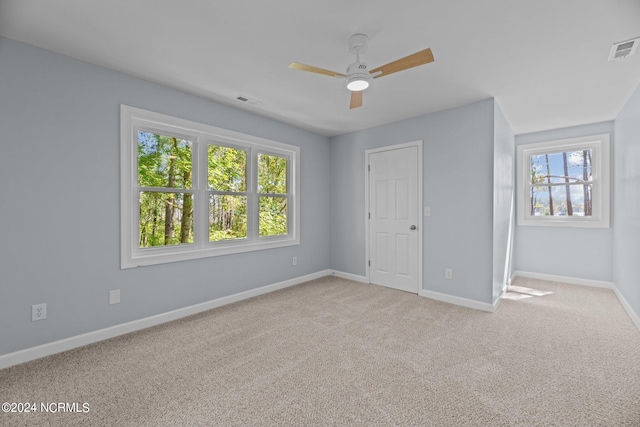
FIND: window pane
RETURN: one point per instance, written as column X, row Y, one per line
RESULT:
column 163, row 161
column 570, row 166
column 165, row 219
column 578, row 202
column 227, row 169
column 579, row 165
column 227, row 217
column 272, row 174
column 273, row 216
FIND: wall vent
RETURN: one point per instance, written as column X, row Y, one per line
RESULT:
column 248, row 100
column 623, row 49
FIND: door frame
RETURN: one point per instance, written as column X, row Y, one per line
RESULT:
column 418, row 144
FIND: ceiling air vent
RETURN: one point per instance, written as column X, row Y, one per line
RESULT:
column 623, row 49
column 248, row 100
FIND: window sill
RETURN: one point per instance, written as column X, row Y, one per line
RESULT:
column 562, row 222
column 161, row 256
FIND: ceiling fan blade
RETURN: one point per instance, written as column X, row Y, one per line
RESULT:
column 418, row 58
column 356, row 99
column 304, row 67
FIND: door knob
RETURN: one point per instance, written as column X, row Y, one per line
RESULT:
column 413, row 227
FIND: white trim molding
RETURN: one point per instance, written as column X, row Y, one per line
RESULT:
column 635, row 317
column 563, row 279
column 349, row 276
column 463, row 302
column 70, row 343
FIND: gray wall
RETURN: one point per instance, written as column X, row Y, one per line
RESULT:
column 503, row 194
column 584, row 253
column 458, row 184
column 626, row 213
column 59, row 201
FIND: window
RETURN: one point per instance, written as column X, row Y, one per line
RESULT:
column 190, row 190
column 564, row 183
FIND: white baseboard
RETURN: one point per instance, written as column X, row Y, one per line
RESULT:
column 497, row 302
column 635, row 318
column 563, row 279
column 433, row 295
column 464, row 302
column 43, row 350
column 511, row 279
column 349, row 276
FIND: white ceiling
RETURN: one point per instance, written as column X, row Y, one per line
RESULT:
column 545, row 61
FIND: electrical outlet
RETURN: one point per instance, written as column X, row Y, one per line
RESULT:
column 295, row 260
column 114, row 296
column 448, row 273
column 38, row 312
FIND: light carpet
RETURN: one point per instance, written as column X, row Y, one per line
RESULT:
column 336, row 352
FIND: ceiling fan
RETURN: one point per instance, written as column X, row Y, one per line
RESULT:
column 359, row 76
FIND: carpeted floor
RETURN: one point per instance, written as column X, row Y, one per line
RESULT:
column 335, row 352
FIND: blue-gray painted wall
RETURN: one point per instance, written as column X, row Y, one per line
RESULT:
column 60, row 201
column 503, row 194
column 626, row 214
column 583, row 253
column 458, row 182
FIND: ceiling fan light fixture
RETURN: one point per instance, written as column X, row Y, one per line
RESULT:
column 358, row 77
column 357, row 83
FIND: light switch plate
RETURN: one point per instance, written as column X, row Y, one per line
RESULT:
column 114, row 296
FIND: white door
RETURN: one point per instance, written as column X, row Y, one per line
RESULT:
column 393, row 223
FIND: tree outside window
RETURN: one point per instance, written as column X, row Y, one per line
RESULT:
column 561, row 184
column 164, row 178
column 564, row 183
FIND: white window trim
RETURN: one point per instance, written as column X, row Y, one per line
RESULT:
column 600, row 167
column 131, row 255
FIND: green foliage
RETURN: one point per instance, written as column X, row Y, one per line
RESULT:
column 272, row 179
column 227, row 212
column 166, row 218
column 227, row 169
column 160, row 157
column 272, row 174
column 273, row 216
column 164, row 162
column 153, row 219
column 227, row 217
